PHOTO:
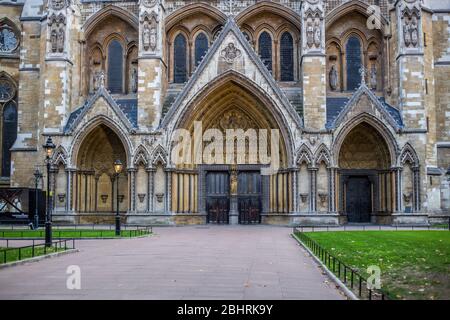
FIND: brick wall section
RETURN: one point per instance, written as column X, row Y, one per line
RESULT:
column 314, row 92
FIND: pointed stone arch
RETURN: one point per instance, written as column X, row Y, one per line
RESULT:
column 408, row 154
column 304, row 155
column 107, row 11
column 141, row 157
column 190, row 9
column 159, row 156
column 91, row 125
column 323, row 155
column 60, row 157
column 347, row 126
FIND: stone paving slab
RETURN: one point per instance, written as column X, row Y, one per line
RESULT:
column 214, row 262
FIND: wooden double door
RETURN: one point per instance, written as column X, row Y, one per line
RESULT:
column 218, row 197
column 358, row 199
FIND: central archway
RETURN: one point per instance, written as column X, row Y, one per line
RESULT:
column 365, row 177
column 95, row 190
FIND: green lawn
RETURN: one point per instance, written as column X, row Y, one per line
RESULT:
column 14, row 255
column 72, row 233
column 414, row 264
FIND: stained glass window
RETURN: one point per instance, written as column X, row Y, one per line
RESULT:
column 201, row 47
column 287, row 57
column 8, row 40
column 179, row 56
column 353, row 57
column 115, row 67
column 9, row 136
column 265, row 49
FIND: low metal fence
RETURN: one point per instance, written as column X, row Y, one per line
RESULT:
column 77, row 231
column 33, row 250
column 349, row 276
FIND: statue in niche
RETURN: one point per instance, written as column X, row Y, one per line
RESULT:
column 134, row 80
column 100, row 79
column 414, row 30
column 153, row 36
column 54, row 41
column 373, row 77
column 310, row 34
column 61, row 37
column 406, row 34
column 317, row 34
column 94, row 82
column 333, row 78
column 146, row 36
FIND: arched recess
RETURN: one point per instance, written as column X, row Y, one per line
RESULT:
column 229, row 102
column 304, row 161
column 9, row 30
column 366, row 178
column 191, row 9
column 409, row 180
column 108, row 25
column 60, row 180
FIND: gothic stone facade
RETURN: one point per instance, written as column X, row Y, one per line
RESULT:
column 359, row 92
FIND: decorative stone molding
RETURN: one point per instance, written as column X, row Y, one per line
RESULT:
column 230, row 53
column 159, row 197
column 304, row 197
column 141, row 197
column 313, row 31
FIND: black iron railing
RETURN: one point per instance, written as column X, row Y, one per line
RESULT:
column 75, row 231
column 349, row 276
column 18, row 253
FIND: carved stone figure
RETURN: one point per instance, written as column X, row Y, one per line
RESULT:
column 146, row 36
column 310, row 34
column 414, row 30
column 230, row 53
column 317, row 34
column 333, row 78
column 406, row 34
column 373, row 77
column 100, row 82
column 54, row 41
column 134, row 80
column 61, row 37
column 153, row 36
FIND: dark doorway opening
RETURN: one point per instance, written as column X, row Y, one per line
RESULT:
column 358, row 200
column 249, row 197
column 217, row 197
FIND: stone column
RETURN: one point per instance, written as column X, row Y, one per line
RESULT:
column 313, row 191
column 410, row 61
column 132, row 175
column 332, row 190
column 313, row 63
column 416, row 181
column 152, row 67
column 150, row 179
column 295, row 189
column 168, row 195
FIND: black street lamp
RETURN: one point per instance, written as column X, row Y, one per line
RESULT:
column 118, row 166
column 37, row 176
column 49, row 146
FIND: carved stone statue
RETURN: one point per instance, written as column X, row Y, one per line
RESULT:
column 153, row 37
column 373, row 77
column 100, row 82
column 61, row 37
column 333, row 78
column 414, row 30
column 146, row 36
column 310, row 34
column 134, row 80
column 406, row 34
column 317, row 34
column 54, row 41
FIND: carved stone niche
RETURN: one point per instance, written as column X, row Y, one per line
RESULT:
column 61, row 197
column 304, row 197
column 141, row 197
column 104, row 198
column 323, row 198
column 160, row 197
column 149, row 31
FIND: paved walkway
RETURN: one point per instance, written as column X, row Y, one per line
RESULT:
column 205, row 262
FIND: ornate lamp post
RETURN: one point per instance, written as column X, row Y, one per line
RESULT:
column 49, row 146
column 37, row 176
column 118, row 167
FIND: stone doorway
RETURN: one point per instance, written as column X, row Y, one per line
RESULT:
column 358, row 202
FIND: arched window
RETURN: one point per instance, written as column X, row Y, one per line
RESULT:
column 353, row 59
column 201, row 47
column 179, row 57
column 115, row 67
column 287, row 57
column 9, row 136
column 265, row 49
